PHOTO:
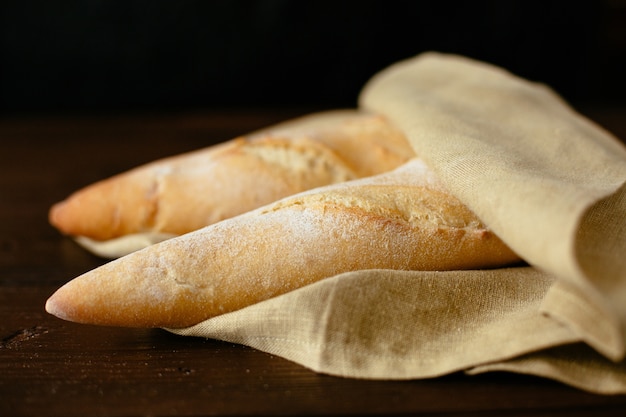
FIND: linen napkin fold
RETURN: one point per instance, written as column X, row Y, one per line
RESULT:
column 545, row 179
column 548, row 181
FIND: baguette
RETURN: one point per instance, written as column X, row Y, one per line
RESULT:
column 403, row 220
column 176, row 195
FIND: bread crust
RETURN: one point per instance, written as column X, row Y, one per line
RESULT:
column 403, row 220
column 185, row 192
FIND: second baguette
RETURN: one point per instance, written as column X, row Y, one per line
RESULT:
column 185, row 192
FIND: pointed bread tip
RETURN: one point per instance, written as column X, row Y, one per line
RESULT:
column 55, row 215
column 64, row 306
column 66, row 216
column 54, row 307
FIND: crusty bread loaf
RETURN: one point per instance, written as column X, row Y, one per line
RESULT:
column 403, row 220
column 182, row 193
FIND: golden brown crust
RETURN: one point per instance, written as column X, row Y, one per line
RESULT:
column 183, row 193
column 402, row 220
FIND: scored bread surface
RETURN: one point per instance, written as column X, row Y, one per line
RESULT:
column 403, row 220
column 183, row 193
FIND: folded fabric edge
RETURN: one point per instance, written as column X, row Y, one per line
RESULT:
column 575, row 364
column 598, row 251
column 594, row 376
column 283, row 336
column 590, row 301
column 586, row 317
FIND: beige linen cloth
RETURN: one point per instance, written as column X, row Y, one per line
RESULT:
column 548, row 181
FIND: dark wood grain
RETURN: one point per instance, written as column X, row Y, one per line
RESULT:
column 49, row 367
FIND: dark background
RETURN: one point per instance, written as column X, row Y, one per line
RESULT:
column 88, row 55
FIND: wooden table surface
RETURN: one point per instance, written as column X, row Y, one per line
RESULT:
column 49, row 367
